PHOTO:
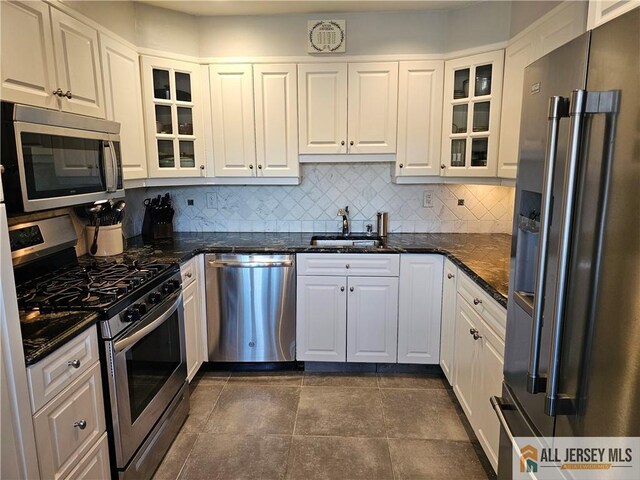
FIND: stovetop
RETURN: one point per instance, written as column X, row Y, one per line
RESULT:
column 98, row 285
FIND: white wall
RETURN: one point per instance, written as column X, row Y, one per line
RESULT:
column 119, row 17
column 481, row 23
column 524, row 13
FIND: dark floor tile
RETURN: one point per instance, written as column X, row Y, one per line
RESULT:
column 329, row 458
column 254, row 410
column 342, row 367
column 235, row 457
column 201, row 402
column 428, row 414
column 367, row 380
column 289, row 379
column 434, row 459
column 340, row 411
column 410, row 380
column 210, row 377
column 175, row 458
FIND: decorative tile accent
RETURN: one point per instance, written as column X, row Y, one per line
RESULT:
column 312, row 206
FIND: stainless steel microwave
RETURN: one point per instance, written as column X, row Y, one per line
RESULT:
column 52, row 159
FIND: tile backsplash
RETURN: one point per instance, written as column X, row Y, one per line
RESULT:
column 312, row 206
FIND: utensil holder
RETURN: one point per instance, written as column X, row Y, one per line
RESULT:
column 109, row 239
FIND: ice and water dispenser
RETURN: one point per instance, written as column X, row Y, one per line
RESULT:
column 527, row 245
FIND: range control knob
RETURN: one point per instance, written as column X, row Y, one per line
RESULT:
column 154, row 297
column 171, row 286
column 142, row 308
column 131, row 314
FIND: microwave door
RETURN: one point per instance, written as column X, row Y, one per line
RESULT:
column 60, row 167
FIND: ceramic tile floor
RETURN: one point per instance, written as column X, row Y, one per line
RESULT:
column 295, row 425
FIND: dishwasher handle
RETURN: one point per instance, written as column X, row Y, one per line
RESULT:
column 261, row 264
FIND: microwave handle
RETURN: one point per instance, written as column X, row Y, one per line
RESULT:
column 117, row 171
column 109, row 170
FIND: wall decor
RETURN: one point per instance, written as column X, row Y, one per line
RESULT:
column 326, row 36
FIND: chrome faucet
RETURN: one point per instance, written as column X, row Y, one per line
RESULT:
column 346, row 227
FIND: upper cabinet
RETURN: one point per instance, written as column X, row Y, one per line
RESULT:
column 53, row 62
column 419, row 118
column 123, row 100
column 601, row 11
column 563, row 24
column 471, row 120
column 348, row 108
column 173, row 117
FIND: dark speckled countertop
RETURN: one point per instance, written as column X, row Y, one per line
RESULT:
column 484, row 257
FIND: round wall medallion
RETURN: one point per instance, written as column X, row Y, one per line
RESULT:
column 327, row 36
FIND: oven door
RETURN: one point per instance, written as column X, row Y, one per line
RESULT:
column 148, row 367
column 60, row 166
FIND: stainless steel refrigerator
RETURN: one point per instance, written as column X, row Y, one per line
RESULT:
column 572, row 356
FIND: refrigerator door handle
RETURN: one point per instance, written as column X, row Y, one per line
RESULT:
column 582, row 103
column 558, row 109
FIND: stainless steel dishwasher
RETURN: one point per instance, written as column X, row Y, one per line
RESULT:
column 251, row 307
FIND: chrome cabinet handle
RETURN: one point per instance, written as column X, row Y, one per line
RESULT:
column 189, row 275
column 477, row 301
column 401, row 165
column 75, row 363
column 473, row 331
column 58, row 92
column 443, row 166
column 259, row 167
column 351, row 289
column 81, row 424
column 351, row 143
column 450, row 275
column 68, row 94
column 251, row 167
column 342, row 142
column 347, row 266
column 342, row 289
column 476, row 336
column 201, row 167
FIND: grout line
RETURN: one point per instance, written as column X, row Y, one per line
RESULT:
column 295, row 422
column 386, row 431
column 184, row 464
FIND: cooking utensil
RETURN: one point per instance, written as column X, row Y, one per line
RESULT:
column 118, row 210
column 96, row 210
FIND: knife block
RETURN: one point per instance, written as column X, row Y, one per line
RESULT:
column 152, row 229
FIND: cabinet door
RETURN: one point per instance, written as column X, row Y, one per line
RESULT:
column 601, row 11
column 321, row 319
column 465, row 358
column 95, row 464
column 123, row 98
column 373, row 107
column 173, row 118
column 489, row 383
column 322, row 106
column 419, row 118
column 192, row 319
column 276, row 97
column 447, row 336
column 372, row 319
column 28, row 64
column 419, row 313
column 471, row 117
column 78, row 65
column 517, row 56
column 232, row 120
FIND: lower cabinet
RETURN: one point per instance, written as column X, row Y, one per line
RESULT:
column 447, row 327
column 194, row 316
column 95, row 464
column 478, row 362
column 419, row 313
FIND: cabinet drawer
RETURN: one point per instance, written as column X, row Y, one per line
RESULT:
column 60, row 440
column 55, row 372
column 95, row 464
column 362, row 265
column 494, row 314
column 189, row 271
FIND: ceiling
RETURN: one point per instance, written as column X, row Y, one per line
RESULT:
column 278, row 7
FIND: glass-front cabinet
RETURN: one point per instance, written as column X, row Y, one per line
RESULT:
column 173, row 118
column 471, row 122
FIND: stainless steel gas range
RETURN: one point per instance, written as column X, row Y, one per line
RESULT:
column 141, row 328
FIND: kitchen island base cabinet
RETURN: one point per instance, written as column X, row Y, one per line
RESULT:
column 194, row 314
column 420, row 301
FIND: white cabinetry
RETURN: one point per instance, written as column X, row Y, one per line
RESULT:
column 471, row 119
column 47, row 51
column 478, row 360
column 347, row 307
column 601, row 11
column 173, row 118
column 232, row 120
column 68, row 404
column 420, row 300
column 447, row 335
column 358, row 116
column 123, row 98
column 194, row 317
column 561, row 25
column 276, row 120
column 419, row 118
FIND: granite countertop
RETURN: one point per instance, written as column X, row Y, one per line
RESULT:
column 483, row 256
column 42, row 333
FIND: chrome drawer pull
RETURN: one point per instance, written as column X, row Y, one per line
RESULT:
column 189, row 274
column 477, row 301
column 81, row 424
column 450, row 275
column 473, row 331
column 75, row 363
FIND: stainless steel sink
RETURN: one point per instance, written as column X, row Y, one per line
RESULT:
column 345, row 241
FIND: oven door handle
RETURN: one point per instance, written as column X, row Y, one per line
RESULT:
column 142, row 331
